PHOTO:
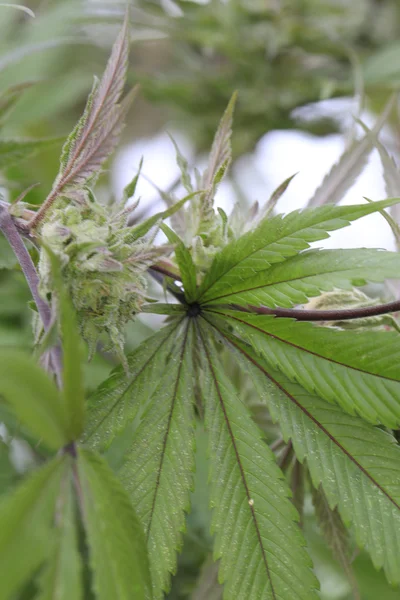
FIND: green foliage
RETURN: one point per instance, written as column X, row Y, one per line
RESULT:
column 291, row 412
column 38, row 405
column 115, row 537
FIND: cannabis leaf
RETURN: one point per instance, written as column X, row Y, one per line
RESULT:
column 26, row 517
column 220, row 156
column 158, row 468
column 115, row 536
column 356, row 463
column 273, row 241
column 252, row 515
column 39, row 406
column 119, row 398
column 300, row 277
column 326, row 361
column 62, row 576
column 97, row 132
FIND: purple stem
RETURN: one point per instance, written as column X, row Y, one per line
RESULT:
column 13, row 237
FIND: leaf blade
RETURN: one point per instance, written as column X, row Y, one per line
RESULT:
column 158, row 470
column 252, row 514
column 275, row 240
column 37, row 404
column 117, row 548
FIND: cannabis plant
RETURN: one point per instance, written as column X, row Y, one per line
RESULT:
column 297, row 403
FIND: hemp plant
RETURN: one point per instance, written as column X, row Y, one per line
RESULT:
column 102, row 512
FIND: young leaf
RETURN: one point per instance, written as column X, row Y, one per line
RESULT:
column 96, row 133
column 26, row 518
column 73, row 387
column 14, row 151
column 260, row 546
column 357, row 464
column 34, row 398
column 220, row 156
column 184, row 168
column 275, row 240
column 158, row 469
column 275, row 196
column 61, row 578
column 119, row 398
column 329, row 362
column 311, row 272
column 185, row 263
column 117, row 546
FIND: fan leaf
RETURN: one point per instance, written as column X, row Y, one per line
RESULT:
column 37, row 405
column 118, row 556
column 356, row 369
column 309, row 273
column 26, row 517
column 119, row 398
column 158, row 471
column 357, row 464
column 275, row 240
column 260, row 547
column 62, row 579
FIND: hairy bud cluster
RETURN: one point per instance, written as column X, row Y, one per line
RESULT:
column 102, row 265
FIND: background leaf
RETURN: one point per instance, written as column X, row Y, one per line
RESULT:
column 26, row 518
column 118, row 556
column 37, row 404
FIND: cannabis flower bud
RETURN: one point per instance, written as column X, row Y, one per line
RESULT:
column 103, row 265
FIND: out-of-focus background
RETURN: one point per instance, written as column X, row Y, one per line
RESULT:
column 306, row 72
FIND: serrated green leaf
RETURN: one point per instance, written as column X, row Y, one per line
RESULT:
column 61, row 578
column 185, row 263
column 183, row 166
column 275, row 240
column 26, row 519
column 357, row 464
column 220, row 155
column 119, row 398
column 73, row 391
column 130, row 189
column 311, row 272
column 33, row 397
column 261, row 549
column 356, row 369
column 117, row 546
column 275, row 196
column 158, row 471
column 14, row 151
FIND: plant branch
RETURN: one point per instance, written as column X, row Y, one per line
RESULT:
column 13, row 236
column 322, row 315
column 158, row 276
